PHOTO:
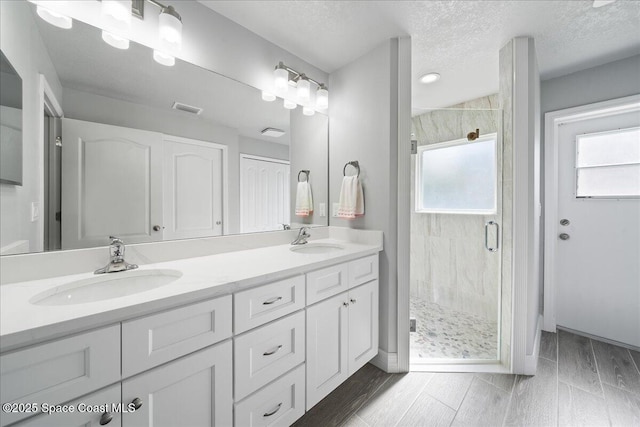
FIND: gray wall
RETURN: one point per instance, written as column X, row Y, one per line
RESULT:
column 310, row 151
column 363, row 127
column 261, row 148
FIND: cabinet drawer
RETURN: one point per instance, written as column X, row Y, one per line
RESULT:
column 159, row 338
column 327, row 282
column 61, row 370
column 363, row 270
column 264, row 354
column 258, row 306
column 106, row 397
column 278, row 404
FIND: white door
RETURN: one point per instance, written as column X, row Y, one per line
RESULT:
column 264, row 194
column 112, row 184
column 363, row 325
column 597, row 273
column 193, row 180
column 327, row 347
column 195, row 390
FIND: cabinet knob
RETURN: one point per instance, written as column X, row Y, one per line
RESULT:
column 106, row 418
column 353, row 300
column 346, row 304
column 157, row 228
column 137, row 403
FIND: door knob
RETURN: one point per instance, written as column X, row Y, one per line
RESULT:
column 157, row 228
column 564, row 221
column 564, row 236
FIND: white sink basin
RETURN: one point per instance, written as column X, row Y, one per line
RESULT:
column 106, row 286
column 316, row 248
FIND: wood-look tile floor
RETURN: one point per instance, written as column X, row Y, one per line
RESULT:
column 579, row 382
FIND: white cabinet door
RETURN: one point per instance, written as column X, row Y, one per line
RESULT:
column 327, row 361
column 193, row 179
column 264, row 194
column 97, row 409
column 363, row 325
column 112, row 180
column 193, row 391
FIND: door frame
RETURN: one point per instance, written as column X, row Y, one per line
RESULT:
column 225, row 171
column 553, row 121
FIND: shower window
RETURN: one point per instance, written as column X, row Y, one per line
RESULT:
column 608, row 164
column 457, row 177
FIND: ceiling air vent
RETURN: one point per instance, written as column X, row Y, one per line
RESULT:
column 273, row 132
column 187, row 108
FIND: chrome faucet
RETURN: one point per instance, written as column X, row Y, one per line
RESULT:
column 303, row 235
column 117, row 262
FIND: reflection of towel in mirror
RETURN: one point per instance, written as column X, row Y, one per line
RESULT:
column 304, row 199
column 351, row 202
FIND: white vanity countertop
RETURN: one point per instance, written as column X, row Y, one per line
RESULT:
column 23, row 323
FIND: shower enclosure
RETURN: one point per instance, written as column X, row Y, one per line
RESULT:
column 456, row 247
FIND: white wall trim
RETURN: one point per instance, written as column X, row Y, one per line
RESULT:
column 264, row 159
column 225, row 171
column 531, row 360
column 388, row 362
column 553, row 121
column 404, row 203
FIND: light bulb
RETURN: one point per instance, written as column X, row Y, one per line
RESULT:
column 281, row 81
column 115, row 40
column 308, row 111
column 54, row 18
column 268, row 96
column 289, row 105
column 170, row 30
column 117, row 13
column 322, row 98
column 163, row 58
column 303, row 91
column 430, row 78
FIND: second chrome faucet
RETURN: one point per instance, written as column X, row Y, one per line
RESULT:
column 116, row 260
column 303, row 235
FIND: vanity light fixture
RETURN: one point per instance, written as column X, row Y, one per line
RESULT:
column 116, row 17
column 268, row 96
column 54, row 18
column 308, row 111
column 430, row 78
column 285, row 76
column 115, row 40
column 163, row 58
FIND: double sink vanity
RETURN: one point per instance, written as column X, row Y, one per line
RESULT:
column 245, row 337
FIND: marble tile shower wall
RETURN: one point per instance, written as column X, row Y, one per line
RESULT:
column 449, row 264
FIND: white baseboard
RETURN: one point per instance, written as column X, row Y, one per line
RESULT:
column 388, row 362
column 531, row 360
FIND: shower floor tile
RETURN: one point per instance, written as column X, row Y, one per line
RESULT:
column 445, row 333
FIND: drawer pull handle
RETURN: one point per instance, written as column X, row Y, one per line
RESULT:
column 137, row 403
column 272, row 300
column 269, row 353
column 353, row 300
column 106, row 418
column 268, row 414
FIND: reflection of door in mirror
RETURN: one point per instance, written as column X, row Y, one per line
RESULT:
column 113, row 181
column 264, row 193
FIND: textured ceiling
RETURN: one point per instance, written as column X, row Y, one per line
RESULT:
column 458, row 39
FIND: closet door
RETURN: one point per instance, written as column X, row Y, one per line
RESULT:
column 112, row 180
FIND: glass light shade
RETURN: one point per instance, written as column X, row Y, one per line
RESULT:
column 268, row 96
column 281, row 81
column 322, row 99
column 308, row 111
column 117, row 13
column 163, row 58
column 54, row 18
column 170, row 30
column 289, row 105
column 115, row 40
column 303, row 91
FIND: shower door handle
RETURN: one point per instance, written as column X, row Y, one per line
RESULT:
column 486, row 236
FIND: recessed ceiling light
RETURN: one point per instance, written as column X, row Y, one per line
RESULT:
column 600, row 3
column 429, row 78
column 273, row 132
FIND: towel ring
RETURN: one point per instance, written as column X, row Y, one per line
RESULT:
column 306, row 172
column 353, row 163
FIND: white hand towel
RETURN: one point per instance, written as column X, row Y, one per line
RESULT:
column 351, row 203
column 304, row 199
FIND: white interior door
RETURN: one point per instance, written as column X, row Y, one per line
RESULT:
column 597, row 273
column 112, row 184
column 193, row 182
column 264, row 194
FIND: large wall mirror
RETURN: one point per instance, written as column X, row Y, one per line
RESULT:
column 10, row 123
column 151, row 153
